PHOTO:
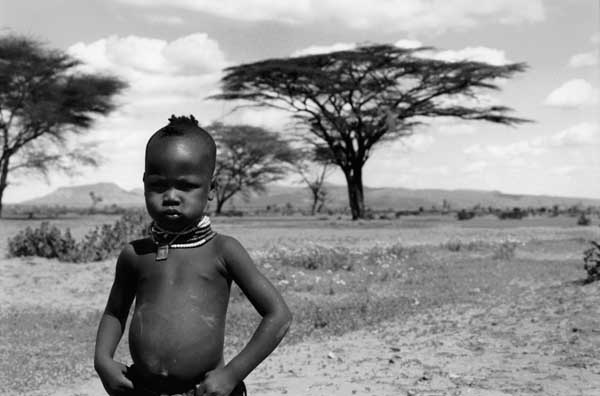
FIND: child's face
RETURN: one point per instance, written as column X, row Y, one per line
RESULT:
column 177, row 183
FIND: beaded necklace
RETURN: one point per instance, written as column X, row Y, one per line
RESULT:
column 194, row 236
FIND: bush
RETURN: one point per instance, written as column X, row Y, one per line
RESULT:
column 100, row 243
column 465, row 215
column 591, row 260
column 583, row 220
column 45, row 241
column 516, row 213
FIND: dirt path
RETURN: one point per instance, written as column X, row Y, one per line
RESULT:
column 545, row 342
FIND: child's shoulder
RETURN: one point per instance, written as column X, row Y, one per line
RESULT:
column 226, row 245
column 138, row 247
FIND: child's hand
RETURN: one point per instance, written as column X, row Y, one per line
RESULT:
column 112, row 375
column 217, row 382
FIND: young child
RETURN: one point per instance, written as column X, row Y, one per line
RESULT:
column 180, row 279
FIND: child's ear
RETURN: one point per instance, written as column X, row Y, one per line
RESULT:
column 212, row 191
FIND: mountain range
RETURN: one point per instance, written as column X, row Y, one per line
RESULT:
column 394, row 198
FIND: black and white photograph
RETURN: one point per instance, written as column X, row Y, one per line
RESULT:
column 303, row 198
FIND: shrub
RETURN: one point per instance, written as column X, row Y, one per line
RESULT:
column 465, row 215
column 583, row 220
column 453, row 246
column 505, row 251
column 45, row 241
column 100, row 243
column 591, row 260
column 515, row 213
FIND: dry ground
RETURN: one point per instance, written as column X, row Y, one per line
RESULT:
column 525, row 327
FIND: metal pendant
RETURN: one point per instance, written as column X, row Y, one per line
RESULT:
column 162, row 252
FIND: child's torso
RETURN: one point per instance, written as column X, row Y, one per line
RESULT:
column 178, row 322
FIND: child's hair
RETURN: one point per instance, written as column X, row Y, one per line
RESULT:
column 179, row 124
column 187, row 126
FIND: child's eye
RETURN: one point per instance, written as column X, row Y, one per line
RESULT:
column 156, row 186
column 185, row 186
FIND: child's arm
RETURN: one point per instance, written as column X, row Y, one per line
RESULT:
column 112, row 325
column 276, row 318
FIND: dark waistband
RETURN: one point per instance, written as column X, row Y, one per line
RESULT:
column 155, row 386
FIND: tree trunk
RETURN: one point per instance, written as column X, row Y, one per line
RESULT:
column 3, row 180
column 321, row 204
column 315, row 197
column 219, row 207
column 356, row 197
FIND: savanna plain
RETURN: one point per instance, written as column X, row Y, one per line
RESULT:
column 423, row 305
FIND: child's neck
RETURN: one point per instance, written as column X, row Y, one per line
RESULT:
column 193, row 236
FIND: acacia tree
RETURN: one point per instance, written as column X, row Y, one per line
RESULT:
column 355, row 99
column 248, row 159
column 313, row 165
column 43, row 102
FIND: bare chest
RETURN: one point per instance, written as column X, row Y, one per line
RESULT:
column 184, row 271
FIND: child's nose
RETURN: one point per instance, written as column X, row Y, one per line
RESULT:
column 170, row 197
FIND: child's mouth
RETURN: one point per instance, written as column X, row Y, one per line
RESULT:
column 171, row 214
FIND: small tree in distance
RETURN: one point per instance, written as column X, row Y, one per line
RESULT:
column 96, row 199
column 248, row 158
column 352, row 100
column 43, row 102
column 313, row 165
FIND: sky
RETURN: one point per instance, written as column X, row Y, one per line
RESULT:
column 172, row 52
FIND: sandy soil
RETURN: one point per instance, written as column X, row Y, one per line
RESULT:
column 543, row 341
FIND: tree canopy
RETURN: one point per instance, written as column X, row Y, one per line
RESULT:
column 352, row 100
column 248, row 158
column 44, row 101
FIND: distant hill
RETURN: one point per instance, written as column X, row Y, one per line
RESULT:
column 298, row 196
column 397, row 198
column 79, row 196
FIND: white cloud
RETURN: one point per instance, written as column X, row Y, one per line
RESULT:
column 157, row 71
column 584, row 59
column 391, row 15
column 418, row 142
column 272, row 119
column 478, row 54
column 450, row 126
column 513, row 150
column 581, row 134
column 195, row 53
column 573, row 93
column 595, row 38
column 324, row 49
column 456, row 129
column 192, row 54
column 408, row 43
